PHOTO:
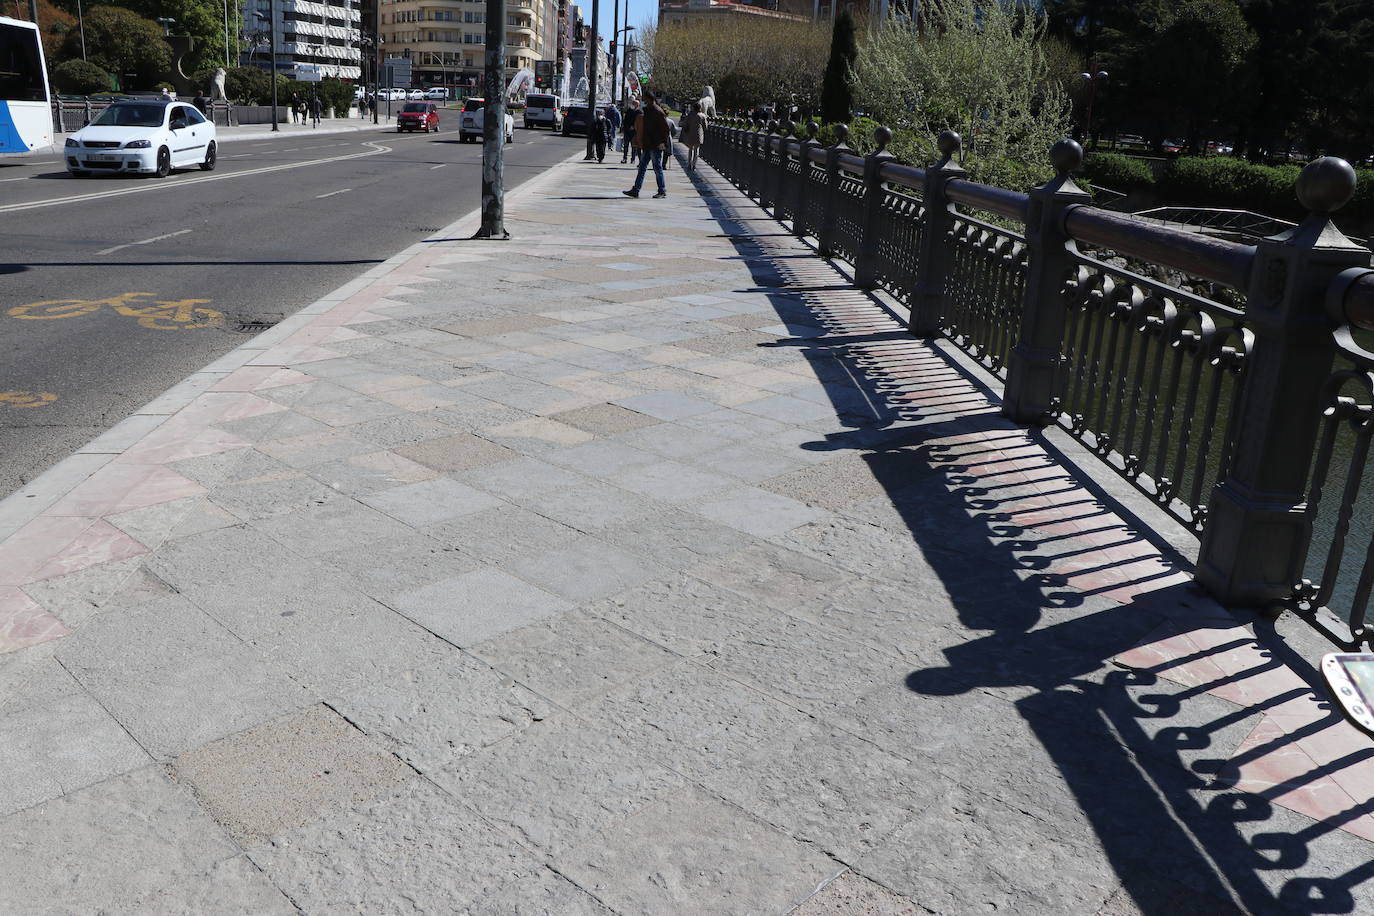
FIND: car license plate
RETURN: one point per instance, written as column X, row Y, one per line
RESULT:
column 101, row 157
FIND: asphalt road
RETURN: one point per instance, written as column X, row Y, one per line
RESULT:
column 278, row 224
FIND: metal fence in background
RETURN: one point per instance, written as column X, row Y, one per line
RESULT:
column 1250, row 423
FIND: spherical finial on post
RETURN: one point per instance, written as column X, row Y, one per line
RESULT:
column 1326, row 184
column 1066, row 156
column 787, row 127
column 948, row 143
column 841, row 133
column 813, row 129
column 882, row 136
column 772, row 126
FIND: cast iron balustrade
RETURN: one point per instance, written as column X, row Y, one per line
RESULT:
column 1251, row 424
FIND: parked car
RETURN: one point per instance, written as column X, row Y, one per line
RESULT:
column 575, row 119
column 543, row 111
column 415, row 94
column 393, row 95
column 418, row 116
column 470, row 124
column 436, row 92
column 146, row 137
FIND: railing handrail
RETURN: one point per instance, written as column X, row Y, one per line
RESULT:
column 1213, row 259
column 1011, row 204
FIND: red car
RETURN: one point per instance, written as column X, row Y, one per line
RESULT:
column 418, row 116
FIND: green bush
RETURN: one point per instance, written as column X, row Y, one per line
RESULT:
column 1118, row 172
column 1221, row 181
column 248, row 85
column 80, row 77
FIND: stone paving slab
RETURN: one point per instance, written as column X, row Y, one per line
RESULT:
column 651, row 570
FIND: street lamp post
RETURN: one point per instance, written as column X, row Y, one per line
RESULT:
column 593, row 52
column 1092, row 83
column 622, row 50
column 494, row 127
column 272, row 52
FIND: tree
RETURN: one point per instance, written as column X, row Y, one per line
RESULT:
column 974, row 66
column 122, row 42
column 203, row 20
column 837, row 93
column 747, row 60
column 80, row 77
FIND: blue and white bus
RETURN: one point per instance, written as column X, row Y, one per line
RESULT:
column 25, row 112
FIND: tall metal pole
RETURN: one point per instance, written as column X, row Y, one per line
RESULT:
column 615, row 48
column 33, row 11
column 592, row 55
column 227, row 63
column 81, row 26
column 272, row 47
column 494, row 126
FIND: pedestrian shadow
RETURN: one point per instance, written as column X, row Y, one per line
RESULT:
column 1181, row 732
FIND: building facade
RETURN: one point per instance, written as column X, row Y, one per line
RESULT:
column 675, row 12
column 327, row 35
column 445, row 40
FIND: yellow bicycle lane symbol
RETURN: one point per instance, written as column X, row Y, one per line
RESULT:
column 22, row 399
column 160, row 315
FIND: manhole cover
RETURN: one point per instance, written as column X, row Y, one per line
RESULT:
column 253, row 327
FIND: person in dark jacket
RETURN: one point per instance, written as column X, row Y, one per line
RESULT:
column 613, row 115
column 652, row 138
column 602, row 134
column 316, row 107
column 632, row 113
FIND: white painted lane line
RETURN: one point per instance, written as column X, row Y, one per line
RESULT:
column 332, row 193
column 439, row 166
column 376, row 150
column 291, row 150
column 156, row 238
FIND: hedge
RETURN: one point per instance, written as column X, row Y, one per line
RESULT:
column 1118, row 172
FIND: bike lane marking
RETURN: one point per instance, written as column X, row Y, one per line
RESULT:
column 377, row 149
column 19, row 400
column 156, row 315
column 156, row 238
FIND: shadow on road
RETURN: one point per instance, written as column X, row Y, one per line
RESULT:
column 1054, row 584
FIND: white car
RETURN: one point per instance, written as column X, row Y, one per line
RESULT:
column 149, row 137
column 436, row 92
column 473, row 117
column 415, row 94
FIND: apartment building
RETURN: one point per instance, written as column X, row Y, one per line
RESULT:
column 326, row 34
column 445, row 40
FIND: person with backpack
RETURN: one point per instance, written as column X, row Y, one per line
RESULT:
column 627, row 129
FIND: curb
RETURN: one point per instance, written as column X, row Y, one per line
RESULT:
column 36, row 497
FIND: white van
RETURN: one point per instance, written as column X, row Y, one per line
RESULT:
column 437, row 92
column 543, row 110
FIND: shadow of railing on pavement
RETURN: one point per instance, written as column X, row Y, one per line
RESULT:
column 1172, row 772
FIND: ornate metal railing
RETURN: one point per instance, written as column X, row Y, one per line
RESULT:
column 1249, row 423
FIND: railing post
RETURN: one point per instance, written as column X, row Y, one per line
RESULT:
column 932, row 268
column 1257, row 530
column 803, row 188
column 1034, row 363
column 825, row 241
column 866, row 259
column 755, row 162
column 784, row 131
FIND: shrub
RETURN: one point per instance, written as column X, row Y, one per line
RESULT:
column 1118, row 172
column 1220, row 181
column 248, row 85
column 80, row 77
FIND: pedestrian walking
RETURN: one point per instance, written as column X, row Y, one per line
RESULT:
column 613, row 115
column 693, row 133
column 627, row 127
column 315, row 108
column 294, row 106
column 601, row 134
column 652, row 137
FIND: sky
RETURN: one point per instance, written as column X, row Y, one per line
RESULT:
column 640, row 11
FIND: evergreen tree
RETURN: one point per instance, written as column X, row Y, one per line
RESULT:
column 837, row 91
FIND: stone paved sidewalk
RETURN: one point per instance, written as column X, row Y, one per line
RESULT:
column 638, row 565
